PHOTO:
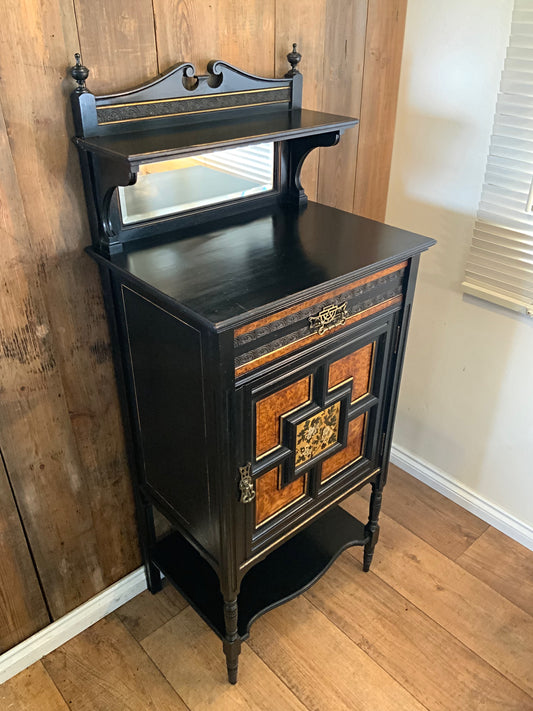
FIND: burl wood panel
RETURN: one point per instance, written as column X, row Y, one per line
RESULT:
column 269, row 410
column 270, row 498
column 350, row 453
column 358, row 367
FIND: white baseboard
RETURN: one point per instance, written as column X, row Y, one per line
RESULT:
column 57, row 633
column 462, row 495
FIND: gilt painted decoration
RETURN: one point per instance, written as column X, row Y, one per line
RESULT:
column 317, row 433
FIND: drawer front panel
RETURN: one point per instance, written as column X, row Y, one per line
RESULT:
column 273, row 337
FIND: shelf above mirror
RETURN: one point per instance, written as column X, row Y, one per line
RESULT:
column 162, row 143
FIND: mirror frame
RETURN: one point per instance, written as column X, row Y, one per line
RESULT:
column 233, row 205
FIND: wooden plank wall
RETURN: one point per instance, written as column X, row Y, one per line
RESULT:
column 60, row 429
column 382, row 60
column 24, row 613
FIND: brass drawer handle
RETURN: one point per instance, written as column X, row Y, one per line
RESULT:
column 328, row 318
column 246, row 484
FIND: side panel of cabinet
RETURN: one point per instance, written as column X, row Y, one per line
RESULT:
column 166, row 363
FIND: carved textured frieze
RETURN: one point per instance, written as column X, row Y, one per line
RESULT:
column 182, row 105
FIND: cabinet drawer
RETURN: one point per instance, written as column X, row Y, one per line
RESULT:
column 275, row 336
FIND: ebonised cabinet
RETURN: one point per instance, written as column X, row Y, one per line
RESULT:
column 258, row 337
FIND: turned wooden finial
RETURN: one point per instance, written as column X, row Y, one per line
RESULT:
column 79, row 73
column 293, row 58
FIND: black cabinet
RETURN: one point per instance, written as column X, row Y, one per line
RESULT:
column 258, row 338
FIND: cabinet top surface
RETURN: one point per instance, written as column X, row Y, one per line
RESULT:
column 247, row 264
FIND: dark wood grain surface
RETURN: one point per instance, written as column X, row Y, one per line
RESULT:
column 267, row 259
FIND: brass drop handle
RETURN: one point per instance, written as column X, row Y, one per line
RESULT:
column 246, row 484
column 330, row 316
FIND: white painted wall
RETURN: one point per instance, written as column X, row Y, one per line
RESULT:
column 466, row 403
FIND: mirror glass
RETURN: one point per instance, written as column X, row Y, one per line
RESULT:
column 173, row 186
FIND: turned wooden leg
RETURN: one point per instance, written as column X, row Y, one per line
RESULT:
column 232, row 642
column 372, row 527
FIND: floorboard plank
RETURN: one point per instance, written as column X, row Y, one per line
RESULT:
column 503, row 564
column 146, row 612
column 425, row 659
column 482, row 619
column 105, row 669
column 31, row 690
column 435, row 519
column 190, row 656
column 321, row 665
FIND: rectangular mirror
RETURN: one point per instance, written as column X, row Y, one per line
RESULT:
column 173, row 186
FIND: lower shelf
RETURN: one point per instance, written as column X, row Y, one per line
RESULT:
column 286, row 572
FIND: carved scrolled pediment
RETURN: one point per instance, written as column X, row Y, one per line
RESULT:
column 181, row 91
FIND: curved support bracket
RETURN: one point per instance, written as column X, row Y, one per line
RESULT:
column 112, row 174
column 299, row 150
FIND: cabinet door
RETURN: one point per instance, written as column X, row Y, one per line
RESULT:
column 313, row 431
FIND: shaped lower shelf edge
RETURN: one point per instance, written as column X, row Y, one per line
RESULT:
column 287, row 571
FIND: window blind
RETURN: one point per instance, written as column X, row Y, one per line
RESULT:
column 500, row 264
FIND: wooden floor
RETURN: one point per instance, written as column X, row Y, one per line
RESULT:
column 444, row 620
